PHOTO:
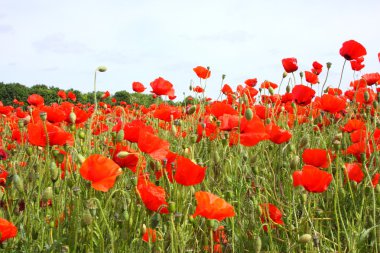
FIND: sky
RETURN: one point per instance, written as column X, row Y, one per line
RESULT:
column 61, row 43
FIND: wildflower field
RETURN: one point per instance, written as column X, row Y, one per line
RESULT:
column 255, row 170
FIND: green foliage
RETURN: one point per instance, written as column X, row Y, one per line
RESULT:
column 11, row 91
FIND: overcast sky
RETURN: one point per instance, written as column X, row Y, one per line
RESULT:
column 61, row 43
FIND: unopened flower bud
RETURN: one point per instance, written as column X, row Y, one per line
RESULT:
column 18, row 183
column 288, row 89
column 47, row 194
column 248, row 114
column 171, row 207
column 190, row 110
column 120, row 136
column 87, row 218
column 305, row 238
column 366, row 96
column 73, row 117
column 54, row 172
column 271, row 90
column 294, row 162
column 257, row 244
column 284, row 74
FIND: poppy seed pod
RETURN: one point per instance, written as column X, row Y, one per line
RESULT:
column 328, row 65
column 102, row 69
column 43, row 116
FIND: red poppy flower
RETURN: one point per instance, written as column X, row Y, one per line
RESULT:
column 72, row 96
column 212, row 207
column 56, row 135
column 353, row 125
column 152, row 145
column 375, row 178
column 106, row 94
column 129, row 161
column 101, row 171
column 167, row 112
column 132, row 130
column 188, row 173
column 317, row 68
column 7, row 230
column 290, row 64
column 251, row 132
column 202, row 72
column 219, row 108
column 317, row 157
column 267, row 84
column 311, row 77
column 162, row 87
column 198, row 89
column 277, row 135
column 332, row 104
column 270, row 214
column 312, row 179
column 352, row 49
column 357, row 64
column 152, row 196
column 372, row 78
column 302, row 95
column 334, row 91
column 3, row 177
column 354, row 172
column 138, row 87
column 251, row 82
column 62, row 94
column 226, row 89
column 150, row 235
column 35, row 100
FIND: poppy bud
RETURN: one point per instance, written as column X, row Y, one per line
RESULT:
column 72, row 117
column 305, row 238
column 20, row 123
column 294, row 162
column 190, row 110
column 267, row 121
column 288, row 89
column 248, row 114
column 18, row 183
column 190, row 87
column 60, row 157
column 43, row 116
column 174, row 129
column 55, row 152
column 171, row 207
column 54, row 171
column 375, row 105
column 301, row 75
column 82, row 134
column 122, row 154
column 328, row 65
column 81, row 158
column 87, row 218
column 191, row 219
column 284, row 74
column 102, row 69
column 120, row 136
column 304, row 198
column 47, row 194
column 223, row 76
column 366, row 96
column 257, row 244
column 271, row 90
column 304, row 142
